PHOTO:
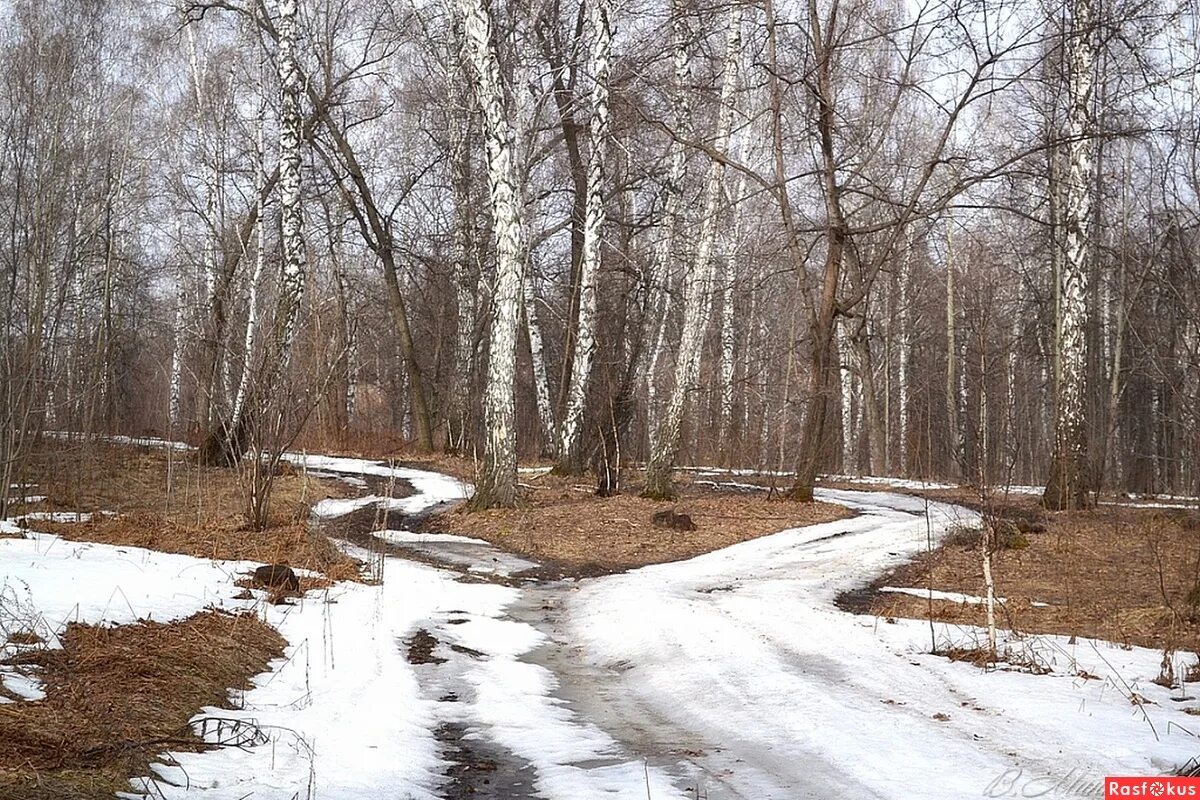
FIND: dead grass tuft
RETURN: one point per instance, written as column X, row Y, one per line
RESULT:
column 117, row 696
column 984, row 658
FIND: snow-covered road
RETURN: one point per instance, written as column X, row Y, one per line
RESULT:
column 732, row 675
column 741, row 658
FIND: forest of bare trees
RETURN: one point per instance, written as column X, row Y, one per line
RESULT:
column 956, row 239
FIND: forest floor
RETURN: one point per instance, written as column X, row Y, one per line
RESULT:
column 564, row 525
column 159, row 499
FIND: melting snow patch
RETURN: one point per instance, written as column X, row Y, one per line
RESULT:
column 410, row 537
column 337, row 507
column 953, row 597
column 24, row 686
column 56, row 516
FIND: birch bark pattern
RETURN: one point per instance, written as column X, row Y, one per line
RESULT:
column 698, row 286
column 497, row 484
column 951, row 355
column 291, row 217
column 847, row 393
column 1067, row 485
column 902, row 370
column 732, row 241
column 177, row 345
column 593, row 228
column 660, row 269
column 260, row 257
column 537, row 358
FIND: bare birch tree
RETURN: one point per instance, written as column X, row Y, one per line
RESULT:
column 1067, row 486
column 497, row 483
column 698, row 283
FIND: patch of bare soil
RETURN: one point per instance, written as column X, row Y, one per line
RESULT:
column 563, row 523
column 1127, row 575
column 115, row 697
column 164, row 501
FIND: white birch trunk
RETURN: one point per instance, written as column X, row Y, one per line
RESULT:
column 663, row 258
column 251, row 335
column 698, row 284
column 952, row 388
column 902, row 366
column 177, row 336
column 1067, row 485
column 729, row 279
column 989, row 536
column 537, row 355
column 497, row 485
column 291, row 281
column 593, row 229
column 847, row 391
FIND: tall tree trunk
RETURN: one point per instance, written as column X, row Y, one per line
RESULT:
column 585, row 347
column 260, row 257
column 902, row 365
column 869, row 400
column 954, row 429
column 177, row 345
column 815, row 441
column 466, row 262
column 225, row 442
column 1067, row 486
column 563, row 77
column 698, row 288
column 497, row 484
column 537, row 357
column 291, row 213
column 664, row 251
column 732, row 241
column 849, row 435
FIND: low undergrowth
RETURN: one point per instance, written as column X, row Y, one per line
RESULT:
column 117, row 696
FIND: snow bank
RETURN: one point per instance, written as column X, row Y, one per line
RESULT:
column 67, row 581
column 47, row 582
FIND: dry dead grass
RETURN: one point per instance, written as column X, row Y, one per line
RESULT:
column 117, row 696
column 125, row 479
column 565, row 524
column 164, row 501
column 295, row 544
column 1127, row 575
